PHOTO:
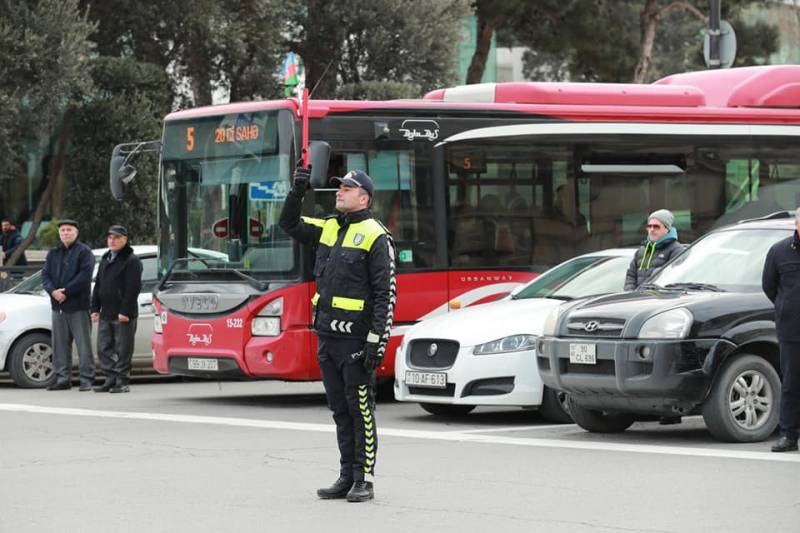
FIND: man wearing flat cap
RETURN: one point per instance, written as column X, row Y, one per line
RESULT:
column 67, row 278
column 115, row 306
column 352, row 316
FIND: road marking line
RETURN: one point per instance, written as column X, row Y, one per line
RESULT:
column 515, row 428
column 412, row 434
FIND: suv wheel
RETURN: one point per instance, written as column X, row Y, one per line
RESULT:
column 743, row 403
column 30, row 362
column 599, row 421
column 444, row 409
column 555, row 406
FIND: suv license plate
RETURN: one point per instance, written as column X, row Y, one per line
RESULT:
column 583, row 354
column 204, row 363
column 436, row 380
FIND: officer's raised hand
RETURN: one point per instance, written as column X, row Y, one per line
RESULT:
column 372, row 359
column 302, row 179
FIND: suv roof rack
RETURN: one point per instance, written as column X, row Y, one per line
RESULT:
column 771, row 216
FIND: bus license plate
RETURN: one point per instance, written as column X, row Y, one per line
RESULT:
column 436, row 380
column 583, row 354
column 205, row 363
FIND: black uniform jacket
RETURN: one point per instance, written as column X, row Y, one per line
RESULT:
column 117, row 286
column 69, row 269
column 354, row 268
column 781, row 283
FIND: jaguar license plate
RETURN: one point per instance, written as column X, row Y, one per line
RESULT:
column 583, row 354
column 203, row 363
column 435, row 380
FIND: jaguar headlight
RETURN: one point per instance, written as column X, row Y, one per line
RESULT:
column 266, row 326
column 672, row 324
column 512, row 343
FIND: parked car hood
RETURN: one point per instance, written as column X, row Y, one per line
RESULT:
column 487, row 322
column 713, row 312
column 16, row 303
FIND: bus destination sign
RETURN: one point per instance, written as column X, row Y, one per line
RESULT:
column 222, row 136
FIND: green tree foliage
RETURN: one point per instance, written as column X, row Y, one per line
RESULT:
column 602, row 40
column 376, row 41
column 128, row 104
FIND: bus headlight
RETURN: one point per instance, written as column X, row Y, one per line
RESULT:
column 512, row 343
column 673, row 324
column 266, row 326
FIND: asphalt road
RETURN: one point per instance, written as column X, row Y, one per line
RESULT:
column 202, row 456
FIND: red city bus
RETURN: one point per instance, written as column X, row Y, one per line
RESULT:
column 482, row 187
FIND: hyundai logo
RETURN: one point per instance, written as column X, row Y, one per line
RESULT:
column 591, row 326
column 432, row 349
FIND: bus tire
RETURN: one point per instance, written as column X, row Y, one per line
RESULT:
column 446, row 409
column 30, row 361
column 599, row 421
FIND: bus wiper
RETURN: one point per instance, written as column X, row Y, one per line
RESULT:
column 695, row 286
column 652, row 286
column 256, row 284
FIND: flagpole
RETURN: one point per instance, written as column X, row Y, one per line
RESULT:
column 304, row 108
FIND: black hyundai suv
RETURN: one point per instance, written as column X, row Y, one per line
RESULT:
column 698, row 338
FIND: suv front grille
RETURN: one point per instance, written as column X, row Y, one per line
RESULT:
column 443, row 353
column 595, row 327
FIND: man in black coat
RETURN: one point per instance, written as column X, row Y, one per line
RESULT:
column 781, row 283
column 10, row 240
column 67, row 278
column 115, row 305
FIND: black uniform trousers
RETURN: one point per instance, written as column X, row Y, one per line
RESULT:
column 115, row 342
column 790, row 389
column 349, row 389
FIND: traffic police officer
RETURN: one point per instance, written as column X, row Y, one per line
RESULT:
column 353, row 307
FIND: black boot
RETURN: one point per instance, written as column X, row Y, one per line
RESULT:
column 105, row 387
column 336, row 491
column 361, row 492
column 785, row 444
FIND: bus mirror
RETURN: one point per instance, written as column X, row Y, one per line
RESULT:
column 120, row 173
column 320, row 153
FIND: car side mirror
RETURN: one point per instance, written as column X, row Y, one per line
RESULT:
column 320, row 153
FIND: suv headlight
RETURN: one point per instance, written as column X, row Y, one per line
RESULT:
column 673, row 324
column 512, row 343
column 268, row 321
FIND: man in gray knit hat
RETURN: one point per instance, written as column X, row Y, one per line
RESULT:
column 660, row 246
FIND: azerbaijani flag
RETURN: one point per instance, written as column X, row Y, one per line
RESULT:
column 289, row 70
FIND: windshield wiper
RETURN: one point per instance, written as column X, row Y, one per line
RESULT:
column 652, row 286
column 695, row 286
column 256, row 284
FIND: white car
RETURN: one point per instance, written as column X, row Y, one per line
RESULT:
column 25, row 325
column 484, row 355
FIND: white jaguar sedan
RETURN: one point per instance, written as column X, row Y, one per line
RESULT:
column 484, row 355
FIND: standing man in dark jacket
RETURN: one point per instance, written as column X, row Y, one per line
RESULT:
column 11, row 239
column 115, row 305
column 67, row 278
column 353, row 309
column 781, row 283
column 658, row 248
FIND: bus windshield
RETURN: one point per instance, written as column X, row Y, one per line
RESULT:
column 223, row 182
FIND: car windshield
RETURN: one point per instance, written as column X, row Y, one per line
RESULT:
column 729, row 260
column 30, row 285
column 579, row 278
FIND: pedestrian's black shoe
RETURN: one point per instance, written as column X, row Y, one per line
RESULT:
column 361, row 492
column 85, row 387
column 105, row 387
column 336, row 491
column 59, row 386
column 785, row 444
column 117, row 388
column 669, row 420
